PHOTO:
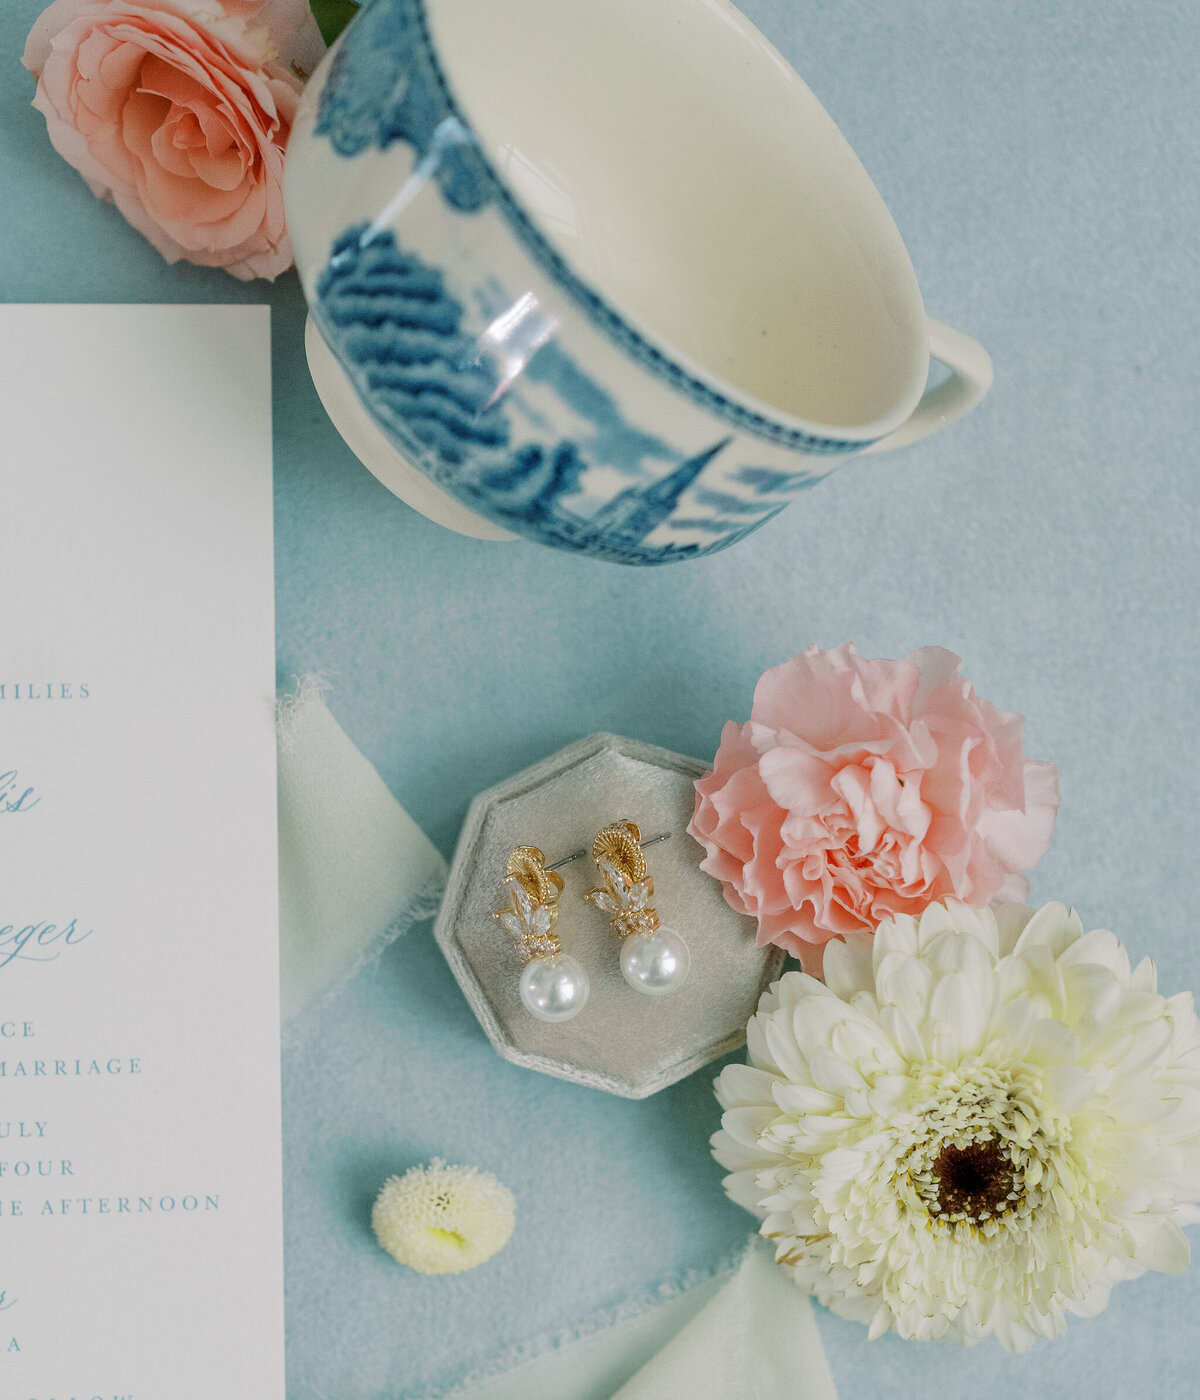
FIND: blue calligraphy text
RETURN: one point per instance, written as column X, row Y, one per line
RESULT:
column 38, row 942
column 14, row 797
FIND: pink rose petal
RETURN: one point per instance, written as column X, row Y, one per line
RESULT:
column 179, row 111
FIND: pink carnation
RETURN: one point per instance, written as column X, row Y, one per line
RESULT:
column 861, row 789
column 179, row 111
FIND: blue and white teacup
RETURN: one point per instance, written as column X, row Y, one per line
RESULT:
column 602, row 273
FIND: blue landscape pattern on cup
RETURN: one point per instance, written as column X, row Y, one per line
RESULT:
column 409, row 335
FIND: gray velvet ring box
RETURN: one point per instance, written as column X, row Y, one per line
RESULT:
column 622, row 1040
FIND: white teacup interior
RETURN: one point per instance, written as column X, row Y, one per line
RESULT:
column 688, row 175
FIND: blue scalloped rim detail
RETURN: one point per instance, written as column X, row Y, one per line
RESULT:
column 379, row 111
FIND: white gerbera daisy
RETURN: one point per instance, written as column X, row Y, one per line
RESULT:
column 981, row 1123
column 442, row 1220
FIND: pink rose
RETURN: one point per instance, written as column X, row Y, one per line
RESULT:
column 178, row 111
column 861, row 789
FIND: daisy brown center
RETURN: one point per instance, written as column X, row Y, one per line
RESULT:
column 974, row 1182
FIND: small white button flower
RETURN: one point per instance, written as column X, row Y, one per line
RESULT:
column 441, row 1219
column 979, row 1125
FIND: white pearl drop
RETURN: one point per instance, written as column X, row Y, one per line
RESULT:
column 655, row 963
column 554, row 989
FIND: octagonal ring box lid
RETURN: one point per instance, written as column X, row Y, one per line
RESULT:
column 622, row 1041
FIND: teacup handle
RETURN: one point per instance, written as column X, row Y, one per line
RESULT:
column 970, row 378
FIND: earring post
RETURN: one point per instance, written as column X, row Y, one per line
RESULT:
column 578, row 855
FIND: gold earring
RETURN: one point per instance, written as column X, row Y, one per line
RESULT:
column 654, row 958
column 554, row 986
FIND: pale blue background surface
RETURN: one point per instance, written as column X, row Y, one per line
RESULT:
column 1040, row 161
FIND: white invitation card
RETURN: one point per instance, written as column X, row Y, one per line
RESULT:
column 140, row 1180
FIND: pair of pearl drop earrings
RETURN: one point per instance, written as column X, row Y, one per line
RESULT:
column 554, row 985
